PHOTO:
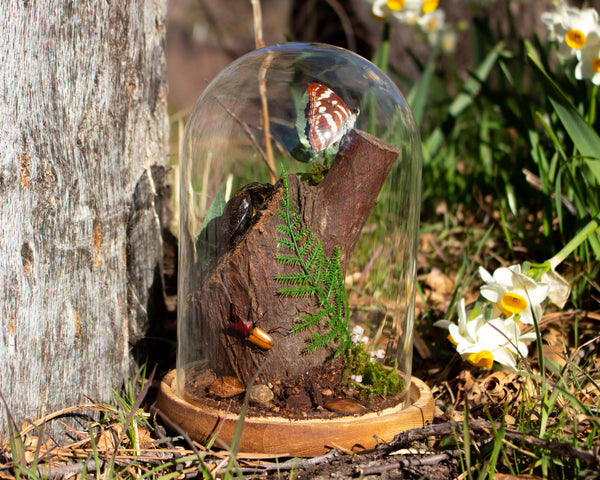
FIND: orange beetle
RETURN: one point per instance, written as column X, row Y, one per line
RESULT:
column 248, row 329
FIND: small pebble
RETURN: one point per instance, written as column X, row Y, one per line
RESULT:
column 261, row 395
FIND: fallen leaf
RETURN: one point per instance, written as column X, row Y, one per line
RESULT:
column 226, row 387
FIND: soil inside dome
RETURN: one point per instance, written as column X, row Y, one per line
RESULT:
column 317, row 394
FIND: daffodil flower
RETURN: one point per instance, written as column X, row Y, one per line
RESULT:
column 558, row 288
column 433, row 24
column 588, row 65
column 406, row 11
column 573, row 28
column 448, row 39
column 514, row 293
column 482, row 342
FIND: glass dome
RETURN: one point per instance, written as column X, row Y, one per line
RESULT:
column 299, row 198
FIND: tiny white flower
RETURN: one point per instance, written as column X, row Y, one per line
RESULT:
column 377, row 354
column 358, row 330
column 357, row 334
column 356, row 378
column 514, row 293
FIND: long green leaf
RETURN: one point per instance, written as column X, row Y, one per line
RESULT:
column 418, row 95
column 464, row 99
column 585, row 139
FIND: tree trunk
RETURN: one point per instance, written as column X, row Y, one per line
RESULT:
column 83, row 138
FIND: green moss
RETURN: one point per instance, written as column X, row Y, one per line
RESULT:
column 377, row 379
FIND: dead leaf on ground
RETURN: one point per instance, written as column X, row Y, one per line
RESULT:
column 225, row 387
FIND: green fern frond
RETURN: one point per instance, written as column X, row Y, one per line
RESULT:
column 293, row 278
column 289, row 244
column 319, row 276
column 307, row 321
column 290, row 260
column 303, row 291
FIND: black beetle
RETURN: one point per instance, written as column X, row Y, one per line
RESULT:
column 241, row 209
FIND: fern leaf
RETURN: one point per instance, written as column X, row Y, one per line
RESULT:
column 301, row 291
column 317, row 276
column 289, row 244
column 290, row 260
column 307, row 246
column 293, row 278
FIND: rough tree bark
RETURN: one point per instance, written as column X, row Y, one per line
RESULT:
column 335, row 210
column 83, row 138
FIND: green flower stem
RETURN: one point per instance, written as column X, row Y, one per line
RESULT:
column 384, row 52
column 577, row 240
column 592, row 111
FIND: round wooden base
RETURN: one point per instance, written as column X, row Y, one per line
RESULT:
column 302, row 438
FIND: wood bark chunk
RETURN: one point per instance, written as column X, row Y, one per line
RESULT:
column 335, row 210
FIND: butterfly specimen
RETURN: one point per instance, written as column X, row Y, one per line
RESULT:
column 329, row 118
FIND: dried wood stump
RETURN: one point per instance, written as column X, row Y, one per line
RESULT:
column 335, row 210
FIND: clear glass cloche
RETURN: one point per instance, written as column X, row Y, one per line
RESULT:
column 299, row 210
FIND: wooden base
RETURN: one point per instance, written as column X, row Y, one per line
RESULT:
column 302, row 438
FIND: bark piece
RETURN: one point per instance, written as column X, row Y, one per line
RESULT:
column 335, row 210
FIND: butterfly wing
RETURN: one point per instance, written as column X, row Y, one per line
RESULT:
column 329, row 119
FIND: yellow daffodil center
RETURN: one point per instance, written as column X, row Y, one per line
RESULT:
column 481, row 359
column 430, row 5
column 395, row 4
column 432, row 25
column 596, row 64
column 575, row 38
column 511, row 303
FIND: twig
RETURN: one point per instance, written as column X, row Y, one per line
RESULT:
column 262, row 88
column 60, row 471
column 345, row 21
column 257, row 18
column 562, row 449
column 246, row 130
column 409, row 462
column 173, row 426
column 536, row 183
column 290, row 464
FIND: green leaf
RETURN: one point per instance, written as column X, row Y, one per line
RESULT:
column 293, row 278
column 463, row 100
column 585, row 139
column 316, row 276
column 418, row 95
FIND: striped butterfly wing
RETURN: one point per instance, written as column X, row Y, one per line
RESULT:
column 329, row 118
